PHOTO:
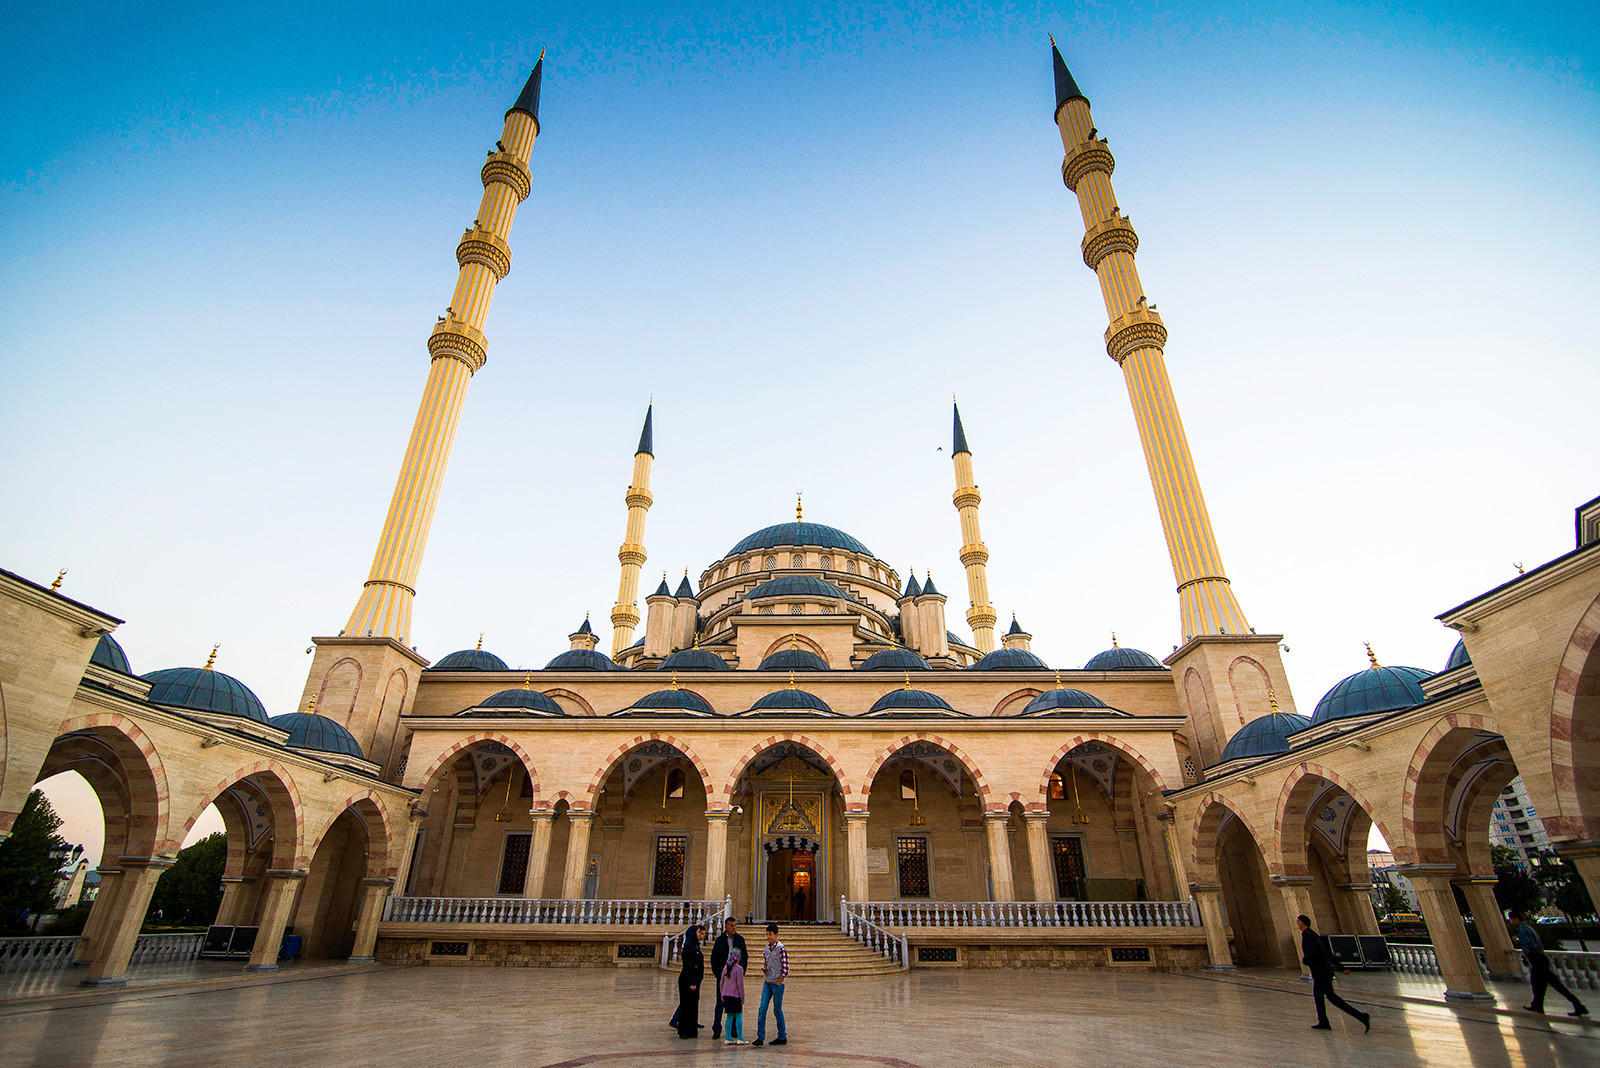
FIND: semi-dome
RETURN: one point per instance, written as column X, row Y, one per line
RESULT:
column 108, row 654
column 204, row 690
column 307, row 730
column 797, row 586
column 1009, row 660
column 909, row 700
column 1117, row 658
column 794, row 660
column 1264, row 737
column 582, row 660
column 1377, row 689
column 895, row 658
column 670, row 701
column 469, row 660
column 1459, row 657
column 520, row 701
column 1064, row 699
column 694, row 660
column 791, row 700
column 787, row 534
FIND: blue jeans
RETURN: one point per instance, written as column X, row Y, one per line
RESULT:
column 770, row 992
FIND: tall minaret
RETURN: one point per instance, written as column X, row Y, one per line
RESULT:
column 458, row 347
column 1135, row 340
column 625, row 613
column 974, row 557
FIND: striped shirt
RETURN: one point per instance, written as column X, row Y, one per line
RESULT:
column 775, row 963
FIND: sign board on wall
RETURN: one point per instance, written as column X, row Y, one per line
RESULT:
column 877, row 860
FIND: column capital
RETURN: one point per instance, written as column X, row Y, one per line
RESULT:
column 1474, row 880
column 1036, row 817
column 723, row 814
column 146, row 862
column 1205, row 888
column 287, row 874
column 240, row 879
column 1427, row 871
column 579, row 814
column 1363, row 887
column 997, row 814
column 1291, row 880
column 1575, row 850
column 856, row 816
column 377, row 882
column 542, row 813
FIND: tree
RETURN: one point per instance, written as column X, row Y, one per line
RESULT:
column 1393, row 900
column 1515, row 890
column 189, row 893
column 30, row 864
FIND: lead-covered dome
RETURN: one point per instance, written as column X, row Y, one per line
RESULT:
column 1064, row 699
column 797, row 586
column 799, row 533
column 895, row 658
column 794, row 660
column 694, row 660
column 1459, row 657
column 583, row 660
column 108, row 654
column 791, row 700
column 1267, row 736
column 1117, row 658
column 909, row 700
column 307, row 730
column 204, row 690
column 1377, row 689
column 521, row 701
column 679, row 701
column 1009, row 660
column 469, row 660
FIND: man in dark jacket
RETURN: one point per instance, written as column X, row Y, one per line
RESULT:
column 1539, row 968
column 1314, row 951
column 729, row 939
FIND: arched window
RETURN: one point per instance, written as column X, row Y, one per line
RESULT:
column 675, row 782
column 744, row 567
column 908, row 785
column 797, row 560
column 771, row 562
column 850, row 566
column 796, row 609
column 766, row 610
column 1058, row 792
column 825, row 563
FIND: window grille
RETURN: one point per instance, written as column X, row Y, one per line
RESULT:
column 912, row 851
column 514, row 865
column 672, row 851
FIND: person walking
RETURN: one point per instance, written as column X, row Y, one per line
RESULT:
column 1539, row 968
column 730, row 995
column 693, row 974
column 1314, row 951
column 721, row 951
column 775, row 969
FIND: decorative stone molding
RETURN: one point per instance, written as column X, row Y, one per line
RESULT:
column 456, row 340
column 631, row 554
column 1092, row 155
column 486, row 248
column 1115, row 234
column 638, row 498
column 1141, row 328
column 507, row 169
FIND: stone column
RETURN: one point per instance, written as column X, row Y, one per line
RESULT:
column 999, row 855
column 105, row 904
column 1458, row 966
column 1044, row 876
column 717, row 856
column 1169, row 830
column 374, row 892
column 855, row 835
column 1357, row 898
column 280, row 892
column 538, row 852
column 1209, row 897
column 110, row 959
column 1294, row 895
column 577, row 854
column 1505, row 962
column 232, row 897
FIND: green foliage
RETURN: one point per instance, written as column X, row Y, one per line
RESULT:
column 27, row 869
column 1393, row 901
column 69, row 922
column 1515, row 889
column 189, row 893
column 1563, row 885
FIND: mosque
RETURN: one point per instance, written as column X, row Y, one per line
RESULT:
column 799, row 734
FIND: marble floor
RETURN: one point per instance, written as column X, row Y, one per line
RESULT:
column 436, row 1017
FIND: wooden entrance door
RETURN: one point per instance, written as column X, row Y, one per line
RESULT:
column 780, row 884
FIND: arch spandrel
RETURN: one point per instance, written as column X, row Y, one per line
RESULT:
column 1308, row 785
column 888, row 753
column 730, row 781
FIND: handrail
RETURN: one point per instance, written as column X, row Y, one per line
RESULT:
column 41, row 952
column 646, row 912
column 891, row 946
column 1028, row 913
column 672, row 941
column 1571, row 967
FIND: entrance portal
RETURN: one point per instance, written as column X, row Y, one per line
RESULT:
column 792, row 885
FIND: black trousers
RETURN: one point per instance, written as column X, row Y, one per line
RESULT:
column 688, row 1014
column 716, row 1018
column 1322, row 988
column 1539, row 972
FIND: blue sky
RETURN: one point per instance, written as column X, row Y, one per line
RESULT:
column 1371, row 229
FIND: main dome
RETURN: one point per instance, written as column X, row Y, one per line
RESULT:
column 799, row 533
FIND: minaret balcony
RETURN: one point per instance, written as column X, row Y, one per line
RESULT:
column 461, row 341
column 507, row 169
column 1115, row 234
column 1092, row 155
column 1141, row 328
column 487, row 248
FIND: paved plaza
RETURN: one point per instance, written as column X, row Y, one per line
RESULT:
column 377, row 1015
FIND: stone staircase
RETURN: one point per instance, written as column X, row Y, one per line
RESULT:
column 821, row 951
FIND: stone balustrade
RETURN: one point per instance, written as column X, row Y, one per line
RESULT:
column 495, row 910
column 1027, row 913
column 41, row 952
column 890, row 946
column 1571, row 967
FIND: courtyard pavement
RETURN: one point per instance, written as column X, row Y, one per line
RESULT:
column 543, row 1018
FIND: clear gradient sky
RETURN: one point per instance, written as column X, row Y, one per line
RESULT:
column 1371, row 229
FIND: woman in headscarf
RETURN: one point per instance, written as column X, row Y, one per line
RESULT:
column 689, row 981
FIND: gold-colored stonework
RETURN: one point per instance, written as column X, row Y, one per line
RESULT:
column 782, row 815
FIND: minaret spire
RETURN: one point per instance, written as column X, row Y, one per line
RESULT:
column 458, row 349
column 974, row 556
column 1136, row 339
column 625, row 613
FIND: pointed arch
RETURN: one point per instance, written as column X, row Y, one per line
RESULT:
column 604, row 771
column 1027, row 693
column 374, row 815
column 796, row 639
column 1105, row 739
column 1422, row 836
column 1299, row 792
column 448, row 756
column 145, row 776
column 288, row 811
column 1214, row 810
column 1575, row 732
column 980, row 783
column 767, row 743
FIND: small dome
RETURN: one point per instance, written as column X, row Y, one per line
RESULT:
column 1063, row 699
column 787, row 534
column 1264, row 737
column 469, row 660
column 1377, row 689
column 1459, row 657
column 307, row 730
column 108, row 654
column 798, row 586
column 955, row 639
column 582, row 660
column 1119, row 659
column 204, row 690
column 910, row 700
column 694, row 660
column 791, row 701
column 520, row 701
column 794, row 660
column 670, row 701
column 895, row 658
column 1009, row 660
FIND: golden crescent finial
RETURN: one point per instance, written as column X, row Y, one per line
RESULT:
column 1272, row 698
column 527, row 680
column 212, row 659
column 908, row 680
column 791, row 680
column 1058, row 681
column 1371, row 655
column 311, row 706
column 56, row 585
column 799, row 513
column 541, row 51
column 1113, row 639
column 674, row 680
column 480, row 641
